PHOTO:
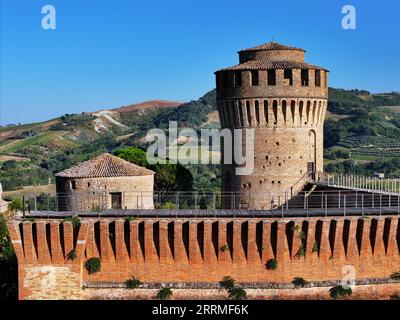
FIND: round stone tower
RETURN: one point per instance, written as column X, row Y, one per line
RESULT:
column 284, row 99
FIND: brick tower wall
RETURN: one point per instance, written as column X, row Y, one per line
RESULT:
column 199, row 251
column 287, row 119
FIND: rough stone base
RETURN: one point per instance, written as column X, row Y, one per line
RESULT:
column 365, row 292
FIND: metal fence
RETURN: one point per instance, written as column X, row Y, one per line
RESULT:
column 305, row 203
column 359, row 183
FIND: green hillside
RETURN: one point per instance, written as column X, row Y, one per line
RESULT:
column 356, row 128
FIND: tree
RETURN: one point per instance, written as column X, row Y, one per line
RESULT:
column 332, row 133
column 8, row 264
column 169, row 177
column 134, row 155
column 9, row 164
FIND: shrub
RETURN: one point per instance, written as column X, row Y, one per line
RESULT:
column 71, row 255
column 75, row 221
column 395, row 297
column 93, row 265
column 299, row 282
column 227, row 283
column 365, row 216
column 234, row 292
column 301, row 252
column 95, row 208
column 395, row 275
column 168, row 205
column 164, row 294
column 237, row 293
column 224, row 248
column 130, row 218
column 315, row 247
column 30, row 219
column 271, row 264
column 339, row 291
column 133, row 283
column 15, row 205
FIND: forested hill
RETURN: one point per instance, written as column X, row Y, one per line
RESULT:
column 355, row 122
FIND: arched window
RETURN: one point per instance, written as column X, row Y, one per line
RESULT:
column 320, row 112
column 301, row 109
column 284, row 111
column 314, row 112
column 234, row 118
column 308, row 111
column 275, row 110
column 241, row 114
column 266, row 111
column 223, row 115
column 257, row 112
column 248, row 113
column 228, row 114
column 293, row 110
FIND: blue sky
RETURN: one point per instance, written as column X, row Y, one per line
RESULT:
column 111, row 53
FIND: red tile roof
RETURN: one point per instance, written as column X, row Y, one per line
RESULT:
column 272, row 46
column 104, row 166
column 272, row 64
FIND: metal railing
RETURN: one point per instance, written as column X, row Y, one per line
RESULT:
column 306, row 203
column 355, row 182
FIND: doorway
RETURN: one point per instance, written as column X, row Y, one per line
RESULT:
column 116, row 200
column 312, row 154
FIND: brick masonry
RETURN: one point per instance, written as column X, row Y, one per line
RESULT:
column 199, row 250
column 287, row 118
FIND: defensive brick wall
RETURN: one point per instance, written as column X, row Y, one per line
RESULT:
column 200, row 251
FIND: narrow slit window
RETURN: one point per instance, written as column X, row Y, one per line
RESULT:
column 275, row 111
column 304, row 77
column 248, row 113
column 266, row 111
column 254, row 77
column 271, row 75
column 288, row 76
column 237, row 78
column 225, row 80
column 317, row 78
column 257, row 112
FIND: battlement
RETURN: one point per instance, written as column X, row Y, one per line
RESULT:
column 200, row 250
column 272, row 113
column 284, row 99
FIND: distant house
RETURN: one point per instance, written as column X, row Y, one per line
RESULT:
column 379, row 175
column 105, row 182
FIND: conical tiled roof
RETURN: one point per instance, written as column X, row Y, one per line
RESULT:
column 103, row 166
column 271, row 64
column 272, row 46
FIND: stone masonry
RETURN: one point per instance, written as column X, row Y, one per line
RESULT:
column 105, row 182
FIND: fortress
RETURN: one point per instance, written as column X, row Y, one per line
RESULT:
column 284, row 99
